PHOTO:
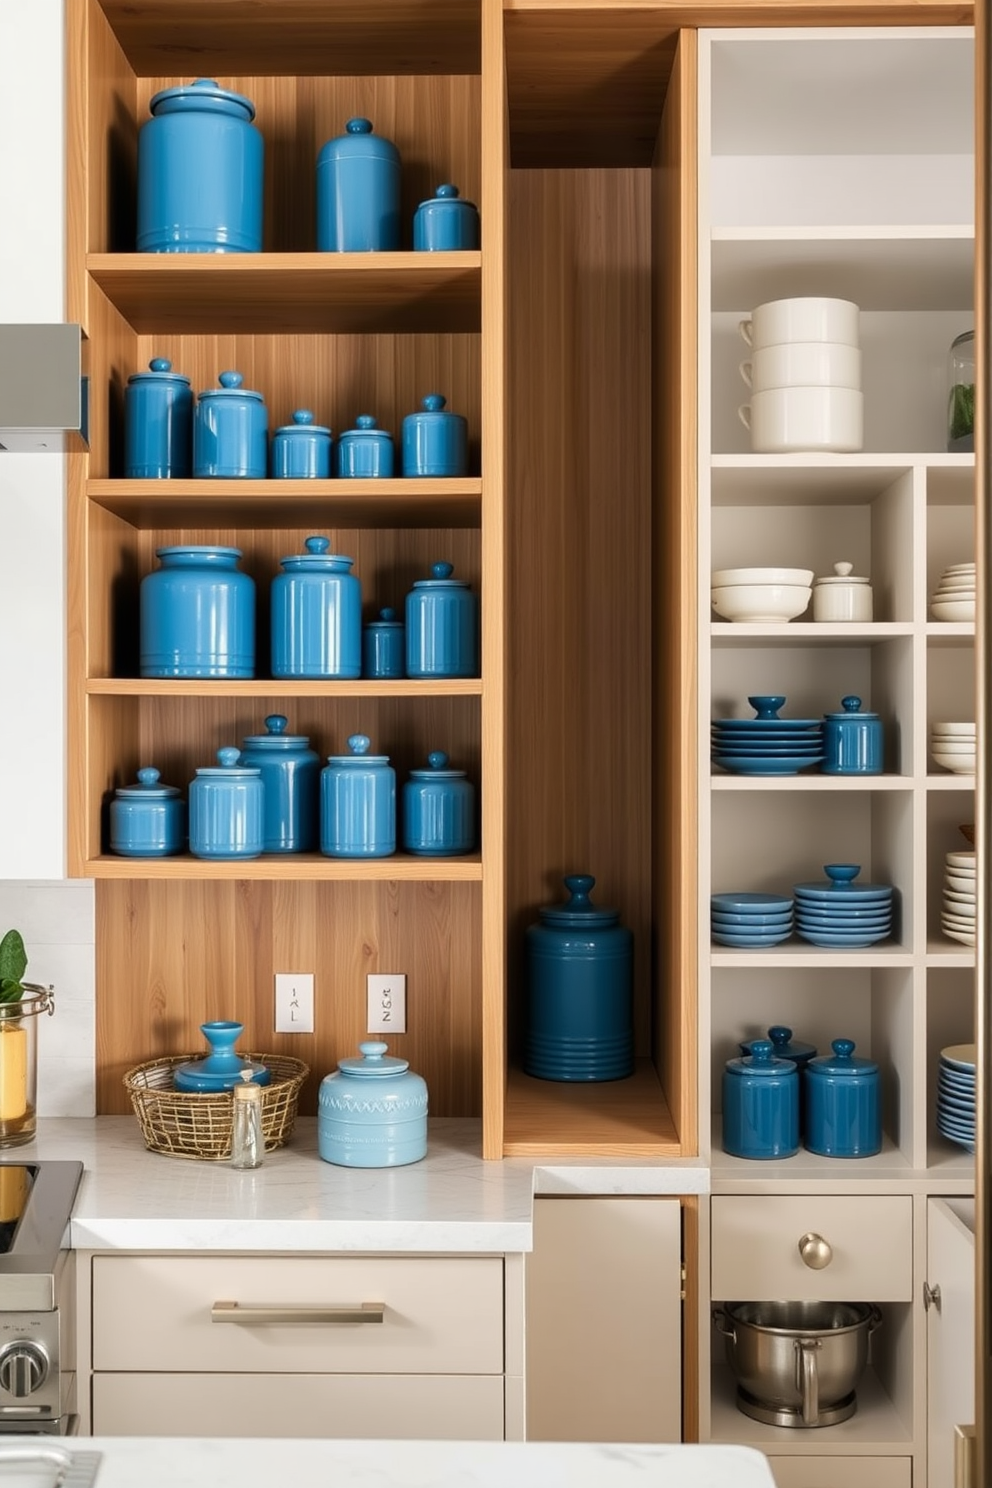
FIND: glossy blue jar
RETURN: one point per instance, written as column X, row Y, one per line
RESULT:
column 197, row 614
column 158, row 423
column 852, row 741
column 445, row 223
column 200, row 172
column 366, row 452
column 580, row 963
column 442, row 626
column 372, row 1112
column 301, row 450
column 384, row 646
column 316, row 614
column 230, row 432
column 761, row 1104
column 147, row 820
column 438, row 810
column 784, row 1046
column 358, row 803
column 434, row 442
column 843, row 1104
column 358, row 192
column 290, row 772
column 222, row 1068
column 227, row 809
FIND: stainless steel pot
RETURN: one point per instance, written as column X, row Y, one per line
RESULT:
column 797, row 1363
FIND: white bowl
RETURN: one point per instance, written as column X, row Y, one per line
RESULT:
column 722, row 578
column 802, row 364
column 795, row 419
column 802, row 318
column 958, row 764
column 952, row 609
column 962, row 859
column 761, row 603
column 954, row 726
column 952, row 745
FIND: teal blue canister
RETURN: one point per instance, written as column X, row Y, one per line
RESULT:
column 445, row 223
column 358, row 192
column 158, row 423
column 384, row 646
column 442, row 626
column 147, row 820
column 434, row 442
column 301, row 450
column 843, row 1104
column 316, row 614
column 230, row 432
column 438, row 810
column 227, row 809
column 761, row 1104
column 197, row 614
column 365, row 452
column 581, row 990
column 290, row 772
column 852, row 741
column 372, row 1112
column 358, row 803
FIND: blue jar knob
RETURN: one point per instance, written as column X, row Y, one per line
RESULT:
column 227, row 809
column 852, row 740
column 158, row 423
column 358, row 192
column 843, row 1103
column 358, row 803
column 197, row 614
column 365, row 452
column 384, row 646
column 438, row 810
column 230, row 432
column 442, row 626
column 290, row 772
column 147, row 820
column 434, row 442
column 761, row 1104
column 301, row 450
column 445, row 223
column 372, row 1111
column 316, row 614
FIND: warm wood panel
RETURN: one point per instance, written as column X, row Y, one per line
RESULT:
column 615, row 1118
column 409, row 502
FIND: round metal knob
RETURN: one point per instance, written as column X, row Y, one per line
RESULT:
column 23, row 1368
column 815, row 1251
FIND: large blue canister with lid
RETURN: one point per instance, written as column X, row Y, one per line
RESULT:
column 442, row 626
column 358, row 192
column 227, row 809
column 200, row 172
column 290, row 772
column 761, row 1104
column 843, row 1103
column 301, row 450
column 434, row 442
column 230, row 432
column 358, row 803
column 197, row 614
column 438, row 810
column 316, row 614
column 158, row 423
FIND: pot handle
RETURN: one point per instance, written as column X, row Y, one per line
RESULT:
column 807, row 1379
column 721, row 1324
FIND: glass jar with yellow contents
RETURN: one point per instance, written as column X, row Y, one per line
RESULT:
column 19, row 1062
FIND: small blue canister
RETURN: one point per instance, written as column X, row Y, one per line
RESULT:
column 365, row 452
column 761, row 1104
column 784, row 1046
column 438, row 810
column 445, row 223
column 372, row 1112
column 230, row 432
column 843, row 1104
column 301, row 450
column 358, row 803
column 200, row 172
column 227, row 809
column 147, row 820
column 316, row 615
column 442, row 627
column 158, row 423
column 852, row 741
column 358, row 192
column 290, row 772
column 197, row 614
column 384, row 646
column 434, row 442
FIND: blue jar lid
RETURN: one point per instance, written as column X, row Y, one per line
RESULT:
column 386, row 620
column 202, row 96
column 358, row 140
column 231, row 383
column 579, row 910
column 317, row 557
column 229, row 764
column 440, row 578
column 852, row 709
column 359, row 746
column 433, row 405
column 365, row 428
column 302, row 424
column 760, row 1062
column 276, row 736
column 374, row 1061
column 447, row 196
column 842, row 1061
column 786, row 1047
column 159, row 370
column 437, row 768
column 148, row 787
column 199, row 553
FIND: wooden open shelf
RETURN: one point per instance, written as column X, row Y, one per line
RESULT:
column 264, row 687
column 615, row 1118
column 305, row 867
column 151, row 504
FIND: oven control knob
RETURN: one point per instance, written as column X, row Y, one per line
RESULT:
column 23, row 1368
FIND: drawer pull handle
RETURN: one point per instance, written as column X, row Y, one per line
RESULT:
column 816, row 1252
column 269, row 1315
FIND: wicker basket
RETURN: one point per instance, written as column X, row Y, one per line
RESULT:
column 190, row 1124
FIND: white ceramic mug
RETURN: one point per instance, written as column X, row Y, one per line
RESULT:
column 792, row 419
column 805, row 318
column 803, row 364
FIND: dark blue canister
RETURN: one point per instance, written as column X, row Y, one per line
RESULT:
column 843, row 1104
column 365, row 452
column 358, row 803
column 200, row 171
column 384, row 646
column 445, row 223
column 784, row 1046
column 761, row 1104
column 442, row 627
column 358, row 192
column 230, row 432
column 158, row 423
column 316, row 615
column 434, row 442
column 197, row 614
column 301, row 450
column 581, row 991
column 227, row 809
column 438, row 810
column 147, row 820
column 290, row 772
column 852, row 741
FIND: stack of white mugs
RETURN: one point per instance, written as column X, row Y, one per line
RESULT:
column 804, row 373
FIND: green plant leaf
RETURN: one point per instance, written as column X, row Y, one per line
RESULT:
column 13, row 958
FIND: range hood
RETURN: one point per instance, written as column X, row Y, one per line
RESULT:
column 43, row 389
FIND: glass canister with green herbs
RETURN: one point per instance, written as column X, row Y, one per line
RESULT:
column 961, row 395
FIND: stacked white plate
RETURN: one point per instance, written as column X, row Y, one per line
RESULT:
column 954, row 596
column 957, row 917
column 953, row 746
column 956, row 1095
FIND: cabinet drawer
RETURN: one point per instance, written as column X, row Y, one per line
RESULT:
column 755, row 1248
column 440, row 1315
column 853, row 1472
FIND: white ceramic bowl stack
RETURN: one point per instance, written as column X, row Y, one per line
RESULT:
column 953, row 747
column 769, row 596
column 954, row 596
column 957, row 917
column 804, row 373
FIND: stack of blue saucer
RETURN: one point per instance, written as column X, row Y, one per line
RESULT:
column 750, row 920
column 766, row 744
column 842, row 914
column 956, row 1095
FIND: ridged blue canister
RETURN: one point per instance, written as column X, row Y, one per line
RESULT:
column 147, row 820
column 358, row 192
column 761, row 1104
column 366, row 452
column 227, row 809
column 438, row 810
column 434, row 442
column 200, row 172
column 197, row 614
column 301, row 450
column 290, row 772
column 158, row 423
column 852, row 741
column 580, row 963
column 384, row 646
column 445, row 223
column 358, row 803
column 316, row 615
column 372, row 1112
column 784, row 1046
column 843, row 1104
column 230, row 432
column 442, row 626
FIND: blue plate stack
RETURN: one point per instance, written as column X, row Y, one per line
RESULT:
column 956, row 1095
column 766, row 744
column 746, row 921
column 842, row 914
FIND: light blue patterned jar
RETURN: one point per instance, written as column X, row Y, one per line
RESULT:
column 358, row 192
column 301, row 450
column 372, row 1112
column 358, row 803
column 230, row 432
column 445, row 223
column 438, row 810
column 227, row 809
column 316, row 614
column 158, row 423
column 197, row 614
column 291, row 777
column 147, row 820
column 434, row 442
column 442, row 626
column 384, row 646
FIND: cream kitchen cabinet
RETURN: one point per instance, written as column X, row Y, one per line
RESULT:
column 950, row 1307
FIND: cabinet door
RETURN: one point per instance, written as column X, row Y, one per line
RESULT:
column 604, row 1320
column 950, row 1332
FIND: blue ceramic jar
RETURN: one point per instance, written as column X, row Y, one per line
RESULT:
column 852, row 741
column 384, row 646
column 843, row 1104
column 580, row 980
column 358, row 192
column 358, row 803
column 365, row 452
column 290, row 772
column 372, row 1112
column 200, row 172
column 438, row 810
column 761, row 1104
column 434, row 442
column 223, row 1067
column 197, row 614
column 445, row 223
column 158, row 423
column 442, row 627
column 784, row 1046
column 316, row 615
column 230, row 432
column 227, row 809
column 301, row 450
column 147, row 820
